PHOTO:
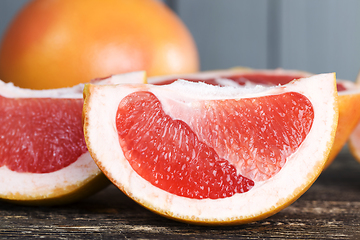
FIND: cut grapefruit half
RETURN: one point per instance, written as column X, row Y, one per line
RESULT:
column 44, row 159
column 207, row 154
column 349, row 93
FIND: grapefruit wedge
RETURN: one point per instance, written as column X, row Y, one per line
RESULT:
column 349, row 115
column 43, row 155
column 349, row 94
column 354, row 139
column 206, row 154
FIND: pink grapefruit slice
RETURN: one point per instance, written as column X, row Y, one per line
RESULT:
column 44, row 159
column 354, row 139
column 206, row 154
column 349, row 116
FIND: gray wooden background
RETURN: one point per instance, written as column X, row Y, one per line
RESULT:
column 311, row 35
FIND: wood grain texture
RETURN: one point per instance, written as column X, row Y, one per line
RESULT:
column 330, row 209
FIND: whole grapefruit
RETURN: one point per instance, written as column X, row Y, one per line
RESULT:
column 60, row 43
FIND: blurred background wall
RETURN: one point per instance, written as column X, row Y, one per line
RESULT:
column 311, row 35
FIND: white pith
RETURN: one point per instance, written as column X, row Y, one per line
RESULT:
column 228, row 72
column 43, row 185
column 31, row 186
column 300, row 170
column 349, row 85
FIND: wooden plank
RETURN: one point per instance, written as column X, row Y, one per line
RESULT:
column 330, row 209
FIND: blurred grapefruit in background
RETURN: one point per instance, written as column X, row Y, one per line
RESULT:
column 60, row 43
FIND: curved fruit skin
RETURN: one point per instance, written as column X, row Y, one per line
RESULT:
column 349, row 117
column 354, row 140
column 60, row 43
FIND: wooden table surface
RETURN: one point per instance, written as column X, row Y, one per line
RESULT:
column 330, row 209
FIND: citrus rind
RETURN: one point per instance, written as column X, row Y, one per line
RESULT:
column 352, row 111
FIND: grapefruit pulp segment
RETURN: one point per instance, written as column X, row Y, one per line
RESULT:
column 256, row 135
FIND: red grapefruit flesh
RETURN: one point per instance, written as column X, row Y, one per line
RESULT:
column 40, row 135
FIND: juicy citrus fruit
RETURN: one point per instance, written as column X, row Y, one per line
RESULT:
column 349, row 115
column 61, row 43
column 207, row 154
column 44, row 158
column 349, row 93
column 354, row 140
